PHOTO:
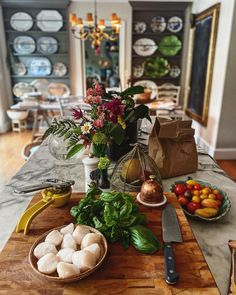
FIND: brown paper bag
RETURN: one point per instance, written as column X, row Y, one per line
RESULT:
column 173, row 148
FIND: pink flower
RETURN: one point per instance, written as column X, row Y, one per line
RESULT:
column 77, row 113
column 98, row 89
column 98, row 123
column 113, row 109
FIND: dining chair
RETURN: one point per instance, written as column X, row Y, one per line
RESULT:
column 66, row 104
column 168, row 92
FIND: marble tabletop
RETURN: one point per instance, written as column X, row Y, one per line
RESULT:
column 212, row 237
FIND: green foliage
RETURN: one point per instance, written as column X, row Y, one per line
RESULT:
column 74, row 150
column 118, row 134
column 132, row 91
column 117, row 217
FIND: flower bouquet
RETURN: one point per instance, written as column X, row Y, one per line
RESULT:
column 106, row 122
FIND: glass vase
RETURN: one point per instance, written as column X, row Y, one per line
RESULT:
column 99, row 150
column 104, row 182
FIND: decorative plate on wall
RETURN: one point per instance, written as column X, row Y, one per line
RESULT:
column 49, row 20
column 58, row 90
column 40, row 66
column 158, row 24
column 175, row 24
column 24, row 45
column 41, row 85
column 19, row 69
column 47, row 45
column 174, row 71
column 21, row 21
column 156, row 67
column 145, row 47
column 170, row 46
column 59, row 69
column 21, row 88
column 148, row 84
column 140, row 27
column 138, row 71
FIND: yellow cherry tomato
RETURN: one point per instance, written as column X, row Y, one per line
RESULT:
column 191, row 182
column 196, row 199
column 196, row 193
column 216, row 192
column 203, row 196
column 206, row 190
column 212, row 196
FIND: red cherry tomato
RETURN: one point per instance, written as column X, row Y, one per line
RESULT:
column 219, row 197
column 180, row 189
column 183, row 201
column 219, row 203
column 192, row 207
column 197, row 187
column 189, row 187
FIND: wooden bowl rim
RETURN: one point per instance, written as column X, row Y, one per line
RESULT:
column 74, row 278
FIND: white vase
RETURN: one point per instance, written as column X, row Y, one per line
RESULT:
column 90, row 164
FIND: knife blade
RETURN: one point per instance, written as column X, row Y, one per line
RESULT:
column 171, row 233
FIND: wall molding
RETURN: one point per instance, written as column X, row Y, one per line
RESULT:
column 216, row 153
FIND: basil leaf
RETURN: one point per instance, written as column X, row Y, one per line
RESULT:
column 110, row 215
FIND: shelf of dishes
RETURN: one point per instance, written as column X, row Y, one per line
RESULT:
column 45, row 45
column 168, row 46
column 40, row 66
column 40, row 54
column 42, row 86
column 33, row 32
column 45, row 20
column 159, row 25
column 156, row 67
column 152, row 78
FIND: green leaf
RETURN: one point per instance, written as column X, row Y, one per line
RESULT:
column 110, row 215
column 140, row 112
column 128, row 221
column 126, row 209
column 132, row 91
column 99, row 225
column 74, row 150
column 118, row 134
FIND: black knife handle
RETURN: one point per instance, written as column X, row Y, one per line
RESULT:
column 172, row 276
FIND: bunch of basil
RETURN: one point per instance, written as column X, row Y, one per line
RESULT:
column 117, row 217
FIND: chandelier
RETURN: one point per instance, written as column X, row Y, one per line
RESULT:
column 94, row 30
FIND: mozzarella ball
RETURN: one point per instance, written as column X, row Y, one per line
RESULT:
column 67, row 270
column 84, row 260
column 67, row 229
column 95, row 249
column 65, row 255
column 89, row 239
column 79, row 233
column 44, row 248
column 68, row 242
column 48, row 263
column 54, row 237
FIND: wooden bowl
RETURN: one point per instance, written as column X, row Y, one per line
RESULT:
column 54, row 277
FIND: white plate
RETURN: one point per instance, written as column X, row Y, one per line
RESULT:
column 49, row 20
column 145, row 47
column 21, row 88
column 47, row 45
column 58, row 90
column 21, row 21
column 175, row 24
column 140, row 27
column 40, row 66
column 41, row 85
column 19, row 69
column 158, row 24
column 174, row 71
column 148, row 84
column 59, row 69
column 24, row 44
column 138, row 71
column 150, row 204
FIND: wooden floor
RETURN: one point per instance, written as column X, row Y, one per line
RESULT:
column 12, row 143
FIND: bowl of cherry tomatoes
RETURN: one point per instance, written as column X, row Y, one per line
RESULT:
column 201, row 200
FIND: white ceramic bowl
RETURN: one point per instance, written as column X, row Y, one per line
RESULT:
column 17, row 115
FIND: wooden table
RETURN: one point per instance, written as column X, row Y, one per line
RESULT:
column 123, row 271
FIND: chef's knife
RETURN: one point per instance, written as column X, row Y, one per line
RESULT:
column 171, row 233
